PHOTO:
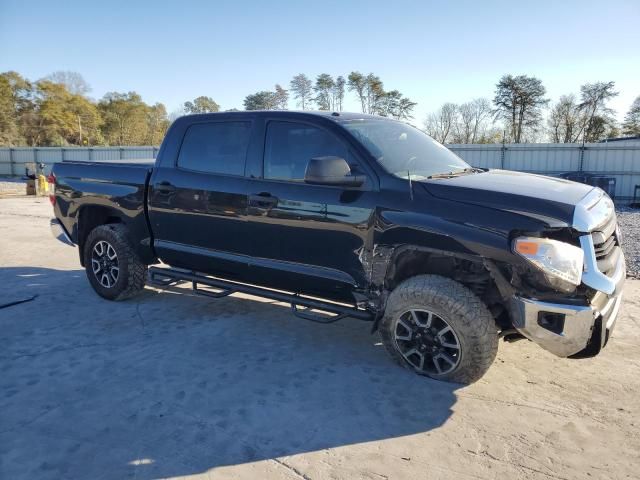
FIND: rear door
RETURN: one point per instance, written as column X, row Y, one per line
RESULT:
column 308, row 238
column 198, row 199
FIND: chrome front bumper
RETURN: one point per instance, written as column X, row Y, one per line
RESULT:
column 581, row 325
column 58, row 231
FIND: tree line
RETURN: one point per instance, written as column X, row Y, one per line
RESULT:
column 328, row 93
column 57, row 111
column 517, row 115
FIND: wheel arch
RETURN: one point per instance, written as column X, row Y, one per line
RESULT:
column 394, row 265
column 92, row 216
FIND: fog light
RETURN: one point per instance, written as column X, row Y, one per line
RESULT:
column 554, row 322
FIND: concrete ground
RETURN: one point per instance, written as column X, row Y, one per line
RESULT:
column 172, row 385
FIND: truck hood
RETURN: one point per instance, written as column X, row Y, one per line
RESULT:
column 552, row 200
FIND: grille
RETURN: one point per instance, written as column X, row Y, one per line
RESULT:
column 605, row 244
column 604, row 249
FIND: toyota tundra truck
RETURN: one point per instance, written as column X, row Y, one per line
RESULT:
column 352, row 215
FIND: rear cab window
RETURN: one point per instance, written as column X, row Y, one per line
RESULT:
column 215, row 147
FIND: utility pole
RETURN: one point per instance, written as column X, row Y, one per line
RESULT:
column 79, row 130
column 584, row 134
column 503, row 149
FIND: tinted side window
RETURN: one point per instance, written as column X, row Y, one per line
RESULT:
column 290, row 146
column 215, row 147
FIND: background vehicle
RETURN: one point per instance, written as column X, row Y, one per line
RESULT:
column 357, row 216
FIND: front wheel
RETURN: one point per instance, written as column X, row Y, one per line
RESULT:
column 439, row 328
column 113, row 268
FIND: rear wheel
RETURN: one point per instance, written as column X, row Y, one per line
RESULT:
column 439, row 328
column 112, row 266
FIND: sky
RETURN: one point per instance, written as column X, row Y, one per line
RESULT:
column 433, row 52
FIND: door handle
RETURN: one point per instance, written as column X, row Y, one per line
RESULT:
column 263, row 200
column 165, row 187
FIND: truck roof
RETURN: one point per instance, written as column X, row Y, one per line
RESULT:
column 336, row 116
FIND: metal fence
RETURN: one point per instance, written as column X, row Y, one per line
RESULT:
column 618, row 160
column 14, row 161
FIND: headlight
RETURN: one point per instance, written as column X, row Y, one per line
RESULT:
column 560, row 262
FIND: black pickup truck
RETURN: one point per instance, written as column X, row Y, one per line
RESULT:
column 351, row 215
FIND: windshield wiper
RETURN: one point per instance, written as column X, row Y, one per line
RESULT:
column 464, row 171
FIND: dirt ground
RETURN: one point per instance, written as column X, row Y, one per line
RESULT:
column 171, row 385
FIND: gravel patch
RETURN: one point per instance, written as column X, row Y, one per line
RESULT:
column 13, row 187
column 629, row 221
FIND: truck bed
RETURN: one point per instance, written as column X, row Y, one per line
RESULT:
column 89, row 192
column 129, row 161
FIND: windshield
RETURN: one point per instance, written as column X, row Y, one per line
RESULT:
column 402, row 149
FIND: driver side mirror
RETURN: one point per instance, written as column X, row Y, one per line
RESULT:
column 331, row 171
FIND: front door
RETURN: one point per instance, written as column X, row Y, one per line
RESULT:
column 198, row 204
column 307, row 238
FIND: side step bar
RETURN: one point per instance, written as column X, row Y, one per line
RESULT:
column 168, row 276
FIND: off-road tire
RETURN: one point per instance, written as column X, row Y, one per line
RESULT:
column 132, row 272
column 465, row 313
